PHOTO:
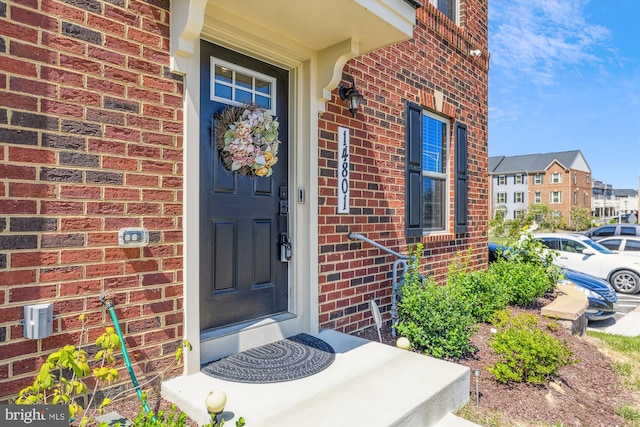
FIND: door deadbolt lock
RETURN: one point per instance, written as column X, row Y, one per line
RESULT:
column 285, row 248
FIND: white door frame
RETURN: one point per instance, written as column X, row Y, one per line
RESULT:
column 303, row 293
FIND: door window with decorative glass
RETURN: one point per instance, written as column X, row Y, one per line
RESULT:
column 235, row 85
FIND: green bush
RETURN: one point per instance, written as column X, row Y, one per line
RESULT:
column 483, row 292
column 523, row 282
column 436, row 319
column 527, row 353
column 173, row 418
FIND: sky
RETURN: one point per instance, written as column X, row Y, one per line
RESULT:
column 565, row 75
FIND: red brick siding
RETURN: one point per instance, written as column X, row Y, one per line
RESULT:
column 567, row 187
column 90, row 141
column 350, row 272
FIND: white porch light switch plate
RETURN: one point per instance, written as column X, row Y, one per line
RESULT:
column 133, row 237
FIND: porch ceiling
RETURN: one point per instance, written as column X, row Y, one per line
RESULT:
column 318, row 24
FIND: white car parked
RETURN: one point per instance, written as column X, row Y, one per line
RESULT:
column 580, row 253
column 622, row 244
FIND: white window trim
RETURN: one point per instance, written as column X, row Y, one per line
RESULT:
column 502, row 180
column 441, row 176
column 502, row 197
column 551, row 194
column 553, row 177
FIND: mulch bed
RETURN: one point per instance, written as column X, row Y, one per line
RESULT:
column 584, row 394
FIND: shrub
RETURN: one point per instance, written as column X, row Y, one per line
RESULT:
column 527, row 353
column 524, row 282
column 436, row 319
column 482, row 291
column 173, row 418
column 526, row 270
column 63, row 376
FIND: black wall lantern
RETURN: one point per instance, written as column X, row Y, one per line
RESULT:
column 352, row 96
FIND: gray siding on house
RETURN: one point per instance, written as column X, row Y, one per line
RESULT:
column 510, row 189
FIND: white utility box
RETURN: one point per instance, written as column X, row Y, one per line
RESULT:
column 38, row 321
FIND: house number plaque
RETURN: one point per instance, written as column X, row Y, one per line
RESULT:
column 343, row 170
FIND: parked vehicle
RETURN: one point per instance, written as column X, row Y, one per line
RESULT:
column 601, row 295
column 610, row 230
column 578, row 252
column 624, row 244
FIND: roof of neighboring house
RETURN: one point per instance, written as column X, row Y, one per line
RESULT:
column 528, row 163
column 625, row 192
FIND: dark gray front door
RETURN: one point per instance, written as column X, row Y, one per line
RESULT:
column 242, row 218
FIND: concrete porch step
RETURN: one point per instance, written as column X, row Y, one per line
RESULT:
column 369, row 384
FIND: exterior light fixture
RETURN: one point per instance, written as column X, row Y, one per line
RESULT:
column 476, row 374
column 215, row 402
column 352, row 97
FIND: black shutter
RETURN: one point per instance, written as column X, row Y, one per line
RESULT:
column 413, row 183
column 461, row 179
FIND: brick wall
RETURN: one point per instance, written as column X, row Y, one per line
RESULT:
column 352, row 272
column 90, row 141
column 567, row 187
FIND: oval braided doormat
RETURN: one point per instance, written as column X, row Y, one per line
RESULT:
column 289, row 359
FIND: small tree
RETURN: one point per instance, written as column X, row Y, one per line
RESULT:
column 537, row 213
column 496, row 225
column 580, row 217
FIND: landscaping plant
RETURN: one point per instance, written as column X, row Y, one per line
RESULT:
column 527, row 353
column 63, row 377
column 482, row 291
column 436, row 319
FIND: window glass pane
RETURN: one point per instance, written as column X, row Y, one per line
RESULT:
column 447, row 7
column 611, row 244
column 605, row 231
column 433, row 198
column 223, row 91
column 263, row 87
column 632, row 245
column 223, row 74
column 433, row 152
column 263, row 102
column 243, row 96
column 628, row 231
column 242, row 80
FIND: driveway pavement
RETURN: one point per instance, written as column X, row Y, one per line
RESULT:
column 626, row 322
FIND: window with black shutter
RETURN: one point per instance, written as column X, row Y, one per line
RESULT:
column 427, row 173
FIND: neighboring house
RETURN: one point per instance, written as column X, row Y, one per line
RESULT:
column 560, row 180
column 626, row 201
column 608, row 202
column 107, row 120
column 603, row 203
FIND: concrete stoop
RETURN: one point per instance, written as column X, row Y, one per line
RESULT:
column 368, row 384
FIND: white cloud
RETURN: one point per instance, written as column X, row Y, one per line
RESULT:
column 534, row 40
